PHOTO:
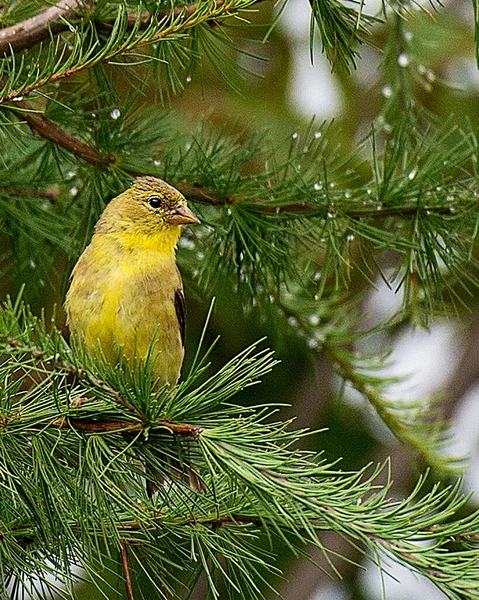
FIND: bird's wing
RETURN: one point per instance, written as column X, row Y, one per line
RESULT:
column 180, row 308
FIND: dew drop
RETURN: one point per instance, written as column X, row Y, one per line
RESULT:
column 115, row 114
column 387, row 91
column 186, row 243
column 293, row 321
column 403, row 60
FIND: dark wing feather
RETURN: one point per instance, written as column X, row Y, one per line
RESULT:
column 180, row 308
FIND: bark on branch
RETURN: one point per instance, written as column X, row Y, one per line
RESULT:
column 49, row 22
column 90, row 426
column 54, row 20
column 49, row 130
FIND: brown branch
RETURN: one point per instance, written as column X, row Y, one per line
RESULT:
column 51, row 194
column 91, row 426
column 221, row 9
column 49, row 130
column 115, row 393
column 126, row 570
column 49, row 22
column 53, row 21
column 214, row 522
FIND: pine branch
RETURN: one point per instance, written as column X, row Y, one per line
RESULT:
column 50, row 131
column 254, row 478
column 42, row 26
column 181, row 429
column 86, row 57
column 411, row 424
column 55, row 20
column 126, row 570
column 51, row 194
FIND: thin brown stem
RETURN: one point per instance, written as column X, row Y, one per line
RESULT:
column 119, row 399
column 91, row 426
column 51, row 194
column 126, row 570
column 49, row 130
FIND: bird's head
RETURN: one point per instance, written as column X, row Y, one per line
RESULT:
column 149, row 207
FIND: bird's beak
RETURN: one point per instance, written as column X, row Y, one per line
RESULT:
column 183, row 215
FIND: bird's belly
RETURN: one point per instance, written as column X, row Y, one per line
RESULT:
column 133, row 309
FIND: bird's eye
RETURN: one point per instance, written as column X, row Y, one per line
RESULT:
column 154, row 201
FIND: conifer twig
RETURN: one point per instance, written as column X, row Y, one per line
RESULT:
column 49, row 130
column 189, row 21
column 182, row 429
column 50, row 194
column 54, row 20
column 126, row 570
column 40, row 27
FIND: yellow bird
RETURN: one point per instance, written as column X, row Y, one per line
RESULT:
column 126, row 289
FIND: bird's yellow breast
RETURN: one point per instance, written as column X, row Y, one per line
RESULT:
column 122, row 294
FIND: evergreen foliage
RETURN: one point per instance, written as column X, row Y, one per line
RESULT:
column 296, row 230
